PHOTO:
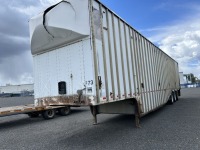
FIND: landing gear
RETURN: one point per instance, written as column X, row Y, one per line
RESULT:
column 137, row 114
column 93, row 110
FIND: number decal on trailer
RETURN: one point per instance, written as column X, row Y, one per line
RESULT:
column 89, row 82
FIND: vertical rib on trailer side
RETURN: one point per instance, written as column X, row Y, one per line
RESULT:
column 104, row 55
column 116, row 57
column 133, row 68
column 122, row 58
column 94, row 52
column 112, row 94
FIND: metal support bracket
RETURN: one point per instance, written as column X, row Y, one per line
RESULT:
column 93, row 110
column 137, row 114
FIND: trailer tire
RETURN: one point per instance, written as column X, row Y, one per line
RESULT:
column 48, row 114
column 171, row 99
column 64, row 111
column 175, row 98
column 179, row 92
column 176, row 95
column 33, row 114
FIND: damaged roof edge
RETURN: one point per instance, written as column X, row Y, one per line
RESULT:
column 49, row 9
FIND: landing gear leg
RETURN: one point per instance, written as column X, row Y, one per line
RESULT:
column 137, row 121
column 137, row 115
column 93, row 110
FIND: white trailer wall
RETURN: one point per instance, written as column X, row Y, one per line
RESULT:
column 61, row 48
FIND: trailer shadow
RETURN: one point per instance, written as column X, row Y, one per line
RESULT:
column 97, row 135
column 9, row 123
column 110, row 129
column 20, row 120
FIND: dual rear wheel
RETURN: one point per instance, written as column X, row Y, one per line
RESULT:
column 50, row 113
column 173, row 97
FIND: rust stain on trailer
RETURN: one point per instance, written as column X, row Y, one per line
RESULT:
column 4, row 112
column 28, row 109
column 72, row 100
column 17, row 110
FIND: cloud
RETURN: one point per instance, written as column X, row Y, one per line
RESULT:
column 16, row 68
column 181, row 41
column 32, row 7
column 15, row 55
column 185, row 48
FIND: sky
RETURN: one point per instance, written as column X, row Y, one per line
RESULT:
column 173, row 25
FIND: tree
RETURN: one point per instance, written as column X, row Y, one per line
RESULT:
column 190, row 77
column 193, row 79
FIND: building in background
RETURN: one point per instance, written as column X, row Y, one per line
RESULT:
column 188, row 80
column 16, row 90
column 182, row 81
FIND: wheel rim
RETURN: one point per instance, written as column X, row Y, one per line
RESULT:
column 66, row 110
column 50, row 113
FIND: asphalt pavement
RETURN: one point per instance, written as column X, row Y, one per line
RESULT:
column 172, row 127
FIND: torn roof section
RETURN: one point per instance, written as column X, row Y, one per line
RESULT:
column 58, row 25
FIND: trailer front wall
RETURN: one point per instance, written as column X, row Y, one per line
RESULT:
column 71, row 64
column 62, row 53
column 128, row 64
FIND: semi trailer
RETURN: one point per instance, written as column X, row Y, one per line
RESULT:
column 86, row 55
column 48, row 112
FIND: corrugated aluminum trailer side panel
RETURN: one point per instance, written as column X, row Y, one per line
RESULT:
column 128, row 64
